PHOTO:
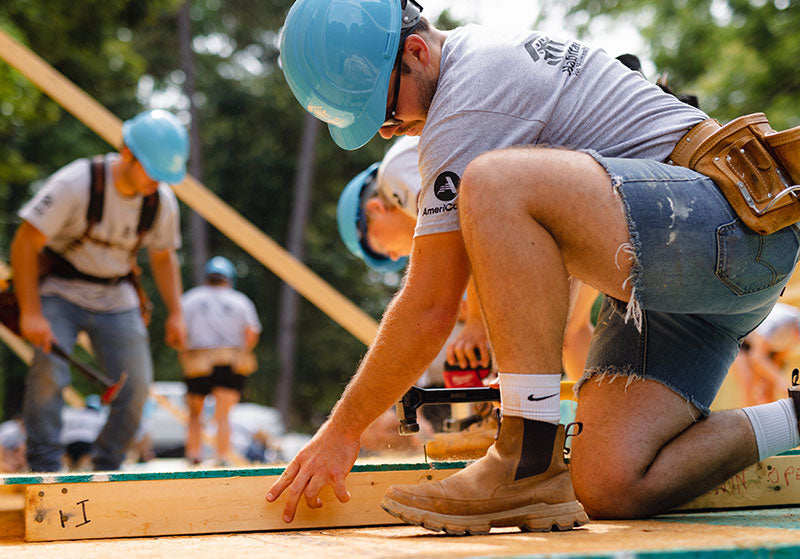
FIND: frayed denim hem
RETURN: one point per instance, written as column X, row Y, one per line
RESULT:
column 612, row 373
column 631, row 249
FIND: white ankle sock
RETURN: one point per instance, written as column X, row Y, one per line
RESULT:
column 775, row 426
column 534, row 397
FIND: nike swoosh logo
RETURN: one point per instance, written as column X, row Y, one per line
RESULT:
column 533, row 398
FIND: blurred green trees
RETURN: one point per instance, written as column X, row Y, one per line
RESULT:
column 739, row 56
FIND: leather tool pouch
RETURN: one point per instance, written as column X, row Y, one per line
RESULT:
column 756, row 168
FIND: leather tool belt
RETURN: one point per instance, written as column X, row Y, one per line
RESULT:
column 201, row 362
column 755, row 167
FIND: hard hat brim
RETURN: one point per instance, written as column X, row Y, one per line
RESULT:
column 367, row 123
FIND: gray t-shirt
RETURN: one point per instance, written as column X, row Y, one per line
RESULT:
column 497, row 90
column 58, row 210
column 217, row 316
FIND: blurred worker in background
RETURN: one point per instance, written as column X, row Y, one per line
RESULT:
column 74, row 264
column 376, row 216
column 767, row 356
column 223, row 329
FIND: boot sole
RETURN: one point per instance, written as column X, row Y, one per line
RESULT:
column 539, row 517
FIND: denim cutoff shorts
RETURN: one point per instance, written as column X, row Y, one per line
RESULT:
column 701, row 281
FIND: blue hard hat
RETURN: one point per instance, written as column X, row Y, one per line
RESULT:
column 353, row 223
column 161, row 144
column 338, row 56
column 222, row 266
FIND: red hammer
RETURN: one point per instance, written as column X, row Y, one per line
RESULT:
column 111, row 388
column 9, row 315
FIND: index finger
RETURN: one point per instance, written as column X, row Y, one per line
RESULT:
column 285, row 479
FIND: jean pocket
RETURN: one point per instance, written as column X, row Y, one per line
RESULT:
column 748, row 262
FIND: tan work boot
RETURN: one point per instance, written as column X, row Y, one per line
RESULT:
column 486, row 493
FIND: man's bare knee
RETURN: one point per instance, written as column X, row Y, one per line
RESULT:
column 611, row 493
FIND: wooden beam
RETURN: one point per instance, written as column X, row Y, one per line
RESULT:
column 772, row 482
column 127, row 504
column 214, row 501
column 227, row 220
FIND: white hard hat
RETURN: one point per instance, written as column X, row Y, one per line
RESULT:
column 398, row 175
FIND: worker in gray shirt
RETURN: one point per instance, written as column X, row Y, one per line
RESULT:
column 543, row 159
column 73, row 259
column 223, row 328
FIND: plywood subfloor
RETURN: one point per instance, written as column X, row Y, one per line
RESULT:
column 766, row 533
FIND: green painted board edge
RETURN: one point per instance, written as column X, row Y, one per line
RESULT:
column 40, row 479
column 779, row 551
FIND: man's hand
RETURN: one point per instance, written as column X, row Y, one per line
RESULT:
column 325, row 460
column 471, row 346
column 175, row 332
column 35, row 328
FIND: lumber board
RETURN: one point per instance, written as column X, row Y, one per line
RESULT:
column 774, row 481
column 214, row 501
column 194, row 194
column 131, row 504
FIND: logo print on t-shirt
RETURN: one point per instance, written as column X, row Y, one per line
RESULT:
column 43, row 205
column 570, row 56
column 446, row 186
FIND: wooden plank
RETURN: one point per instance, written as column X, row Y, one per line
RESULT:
column 195, row 195
column 772, row 482
column 129, row 504
column 204, row 505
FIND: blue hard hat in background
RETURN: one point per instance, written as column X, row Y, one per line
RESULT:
column 222, row 266
column 338, row 56
column 352, row 223
column 160, row 142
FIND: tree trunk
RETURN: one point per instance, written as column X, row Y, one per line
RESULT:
column 198, row 228
column 289, row 303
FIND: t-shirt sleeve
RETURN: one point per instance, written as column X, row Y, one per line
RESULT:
column 61, row 201
column 447, row 147
column 251, row 316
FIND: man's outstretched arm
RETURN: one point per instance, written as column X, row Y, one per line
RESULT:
column 411, row 333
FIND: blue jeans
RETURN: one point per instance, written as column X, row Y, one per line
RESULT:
column 701, row 281
column 121, row 343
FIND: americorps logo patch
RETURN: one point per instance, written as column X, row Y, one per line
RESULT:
column 446, row 186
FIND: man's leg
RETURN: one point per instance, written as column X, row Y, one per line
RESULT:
column 225, row 398
column 193, row 450
column 46, row 379
column 121, row 343
column 643, row 451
